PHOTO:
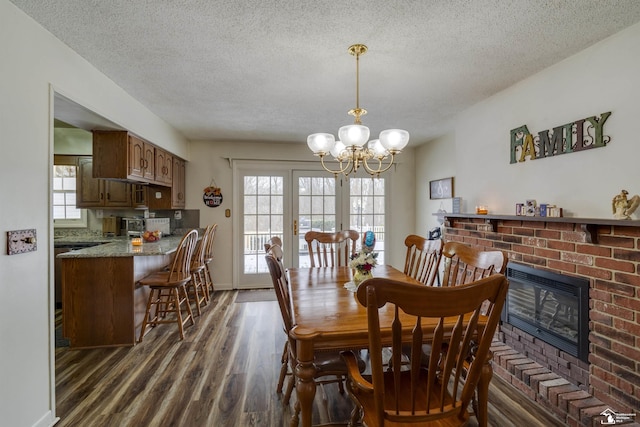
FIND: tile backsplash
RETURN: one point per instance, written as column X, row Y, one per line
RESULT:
column 190, row 218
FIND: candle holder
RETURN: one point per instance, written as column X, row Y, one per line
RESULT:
column 136, row 241
column 482, row 210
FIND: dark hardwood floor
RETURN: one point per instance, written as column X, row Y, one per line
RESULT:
column 223, row 374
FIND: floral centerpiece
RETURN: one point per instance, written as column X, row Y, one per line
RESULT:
column 364, row 261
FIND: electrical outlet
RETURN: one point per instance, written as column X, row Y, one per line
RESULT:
column 177, row 215
column 21, row 241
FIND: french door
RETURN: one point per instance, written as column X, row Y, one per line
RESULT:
column 324, row 203
column 283, row 201
column 262, row 210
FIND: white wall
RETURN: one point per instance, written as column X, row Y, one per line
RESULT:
column 433, row 161
column 33, row 61
column 208, row 162
column 601, row 78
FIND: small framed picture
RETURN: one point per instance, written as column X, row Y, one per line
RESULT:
column 441, row 188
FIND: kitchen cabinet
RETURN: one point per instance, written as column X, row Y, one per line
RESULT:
column 178, row 187
column 99, row 193
column 58, row 276
column 164, row 167
column 121, row 155
column 139, row 196
column 170, row 197
column 142, row 159
column 103, row 302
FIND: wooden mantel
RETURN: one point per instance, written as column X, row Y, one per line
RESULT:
column 588, row 225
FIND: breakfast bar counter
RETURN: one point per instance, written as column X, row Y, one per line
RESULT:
column 102, row 303
column 122, row 247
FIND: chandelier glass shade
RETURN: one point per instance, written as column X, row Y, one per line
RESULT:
column 353, row 148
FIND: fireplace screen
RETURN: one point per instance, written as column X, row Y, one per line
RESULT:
column 550, row 306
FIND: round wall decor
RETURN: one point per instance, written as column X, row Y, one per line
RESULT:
column 212, row 197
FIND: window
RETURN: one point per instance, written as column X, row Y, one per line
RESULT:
column 65, row 212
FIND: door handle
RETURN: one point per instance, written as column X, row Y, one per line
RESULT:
column 295, row 227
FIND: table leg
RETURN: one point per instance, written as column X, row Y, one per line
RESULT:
column 305, row 383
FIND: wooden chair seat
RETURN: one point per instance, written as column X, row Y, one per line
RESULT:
column 404, row 381
column 161, row 279
column 168, row 293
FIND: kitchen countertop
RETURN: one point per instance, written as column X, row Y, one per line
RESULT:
column 120, row 247
column 86, row 239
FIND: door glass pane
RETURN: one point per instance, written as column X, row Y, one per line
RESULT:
column 316, row 210
column 366, row 209
column 263, row 218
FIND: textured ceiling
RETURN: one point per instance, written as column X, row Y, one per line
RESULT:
column 278, row 70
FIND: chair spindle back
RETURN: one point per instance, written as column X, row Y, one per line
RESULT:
column 331, row 249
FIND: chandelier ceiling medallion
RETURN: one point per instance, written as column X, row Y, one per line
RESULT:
column 350, row 151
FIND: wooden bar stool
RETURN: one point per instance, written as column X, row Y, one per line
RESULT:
column 168, row 291
column 196, row 287
column 208, row 257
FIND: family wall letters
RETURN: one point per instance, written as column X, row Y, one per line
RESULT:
column 577, row 136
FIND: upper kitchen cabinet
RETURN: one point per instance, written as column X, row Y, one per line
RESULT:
column 164, row 167
column 97, row 193
column 178, row 189
column 142, row 159
column 121, row 155
column 170, row 197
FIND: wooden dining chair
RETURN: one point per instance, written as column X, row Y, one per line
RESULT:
column 464, row 263
column 168, row 292
column 423, row 258
column 439, row 394
column 329, row 249
column 330, row 368
column 273, row 246
column 208, row 258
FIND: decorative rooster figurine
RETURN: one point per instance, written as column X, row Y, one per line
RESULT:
column 623, row 207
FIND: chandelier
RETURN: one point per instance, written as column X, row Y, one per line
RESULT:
column 350, row 151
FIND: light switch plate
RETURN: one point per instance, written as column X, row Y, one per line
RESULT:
column 21, row 241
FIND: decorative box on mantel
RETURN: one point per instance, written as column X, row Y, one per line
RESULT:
column 588, row 225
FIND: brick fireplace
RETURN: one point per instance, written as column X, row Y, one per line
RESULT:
column 607, row 253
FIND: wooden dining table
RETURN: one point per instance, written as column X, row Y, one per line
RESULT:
column 326, row 316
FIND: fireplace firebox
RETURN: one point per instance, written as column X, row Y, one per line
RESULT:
column 549, row 306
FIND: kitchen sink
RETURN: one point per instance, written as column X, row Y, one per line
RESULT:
column 76, row 245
